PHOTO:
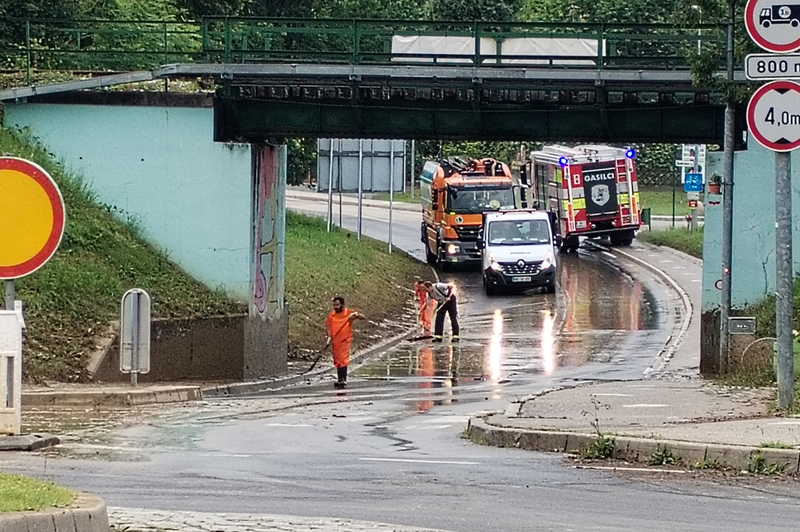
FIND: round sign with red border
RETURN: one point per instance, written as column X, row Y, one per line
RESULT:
column 774, row 25
column 32, row 217
column 773, row 115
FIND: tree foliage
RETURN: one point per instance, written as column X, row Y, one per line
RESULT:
column 481, row 10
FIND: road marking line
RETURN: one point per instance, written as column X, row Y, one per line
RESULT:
column 407, row 460
column 613, row 394
column 663, row 261
column 679, row 267
column 607, row 254
column 697, row 280
column 454, row 419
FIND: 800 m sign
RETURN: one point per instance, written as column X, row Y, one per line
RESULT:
column 770, row 66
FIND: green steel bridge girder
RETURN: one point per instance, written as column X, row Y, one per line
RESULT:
column 239, row 119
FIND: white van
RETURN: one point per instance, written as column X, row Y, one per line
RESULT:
column 518, row 251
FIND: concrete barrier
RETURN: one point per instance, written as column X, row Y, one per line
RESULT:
column 86, row 514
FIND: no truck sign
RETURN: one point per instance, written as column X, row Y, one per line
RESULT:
column 774, row 25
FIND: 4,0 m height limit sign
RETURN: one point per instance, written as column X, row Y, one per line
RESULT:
column 773, row 115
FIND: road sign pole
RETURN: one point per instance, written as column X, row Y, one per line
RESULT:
column 330, row 186
column 391, row 190
column 727, row 238
column 727, row 198
column 783, row 278
column 673, row 199
column 360, row 187
column 696, row 169
column 11, row 294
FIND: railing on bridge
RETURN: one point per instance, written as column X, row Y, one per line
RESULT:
column 132, row 45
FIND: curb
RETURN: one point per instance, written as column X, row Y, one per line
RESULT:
column 28, row 442
column 89, row 516
column 668, row 218
column 679, row 253
column 106, row 398
column 247, row 388
column 632, row 449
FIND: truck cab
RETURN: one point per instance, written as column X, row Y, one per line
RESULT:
column 518, row 251
column 454, row 194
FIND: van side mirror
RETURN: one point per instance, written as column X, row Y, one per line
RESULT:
column 481, row 243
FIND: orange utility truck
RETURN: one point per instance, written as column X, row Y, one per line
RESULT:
column 590, row 190
column 455, row 193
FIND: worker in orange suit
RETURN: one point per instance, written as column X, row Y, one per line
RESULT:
column 425, row 307
column 340, row 335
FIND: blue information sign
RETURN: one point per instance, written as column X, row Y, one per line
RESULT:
column 693, row 182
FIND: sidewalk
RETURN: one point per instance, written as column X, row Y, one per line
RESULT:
column 146, row 520
column 304, row 193
column 671, row 408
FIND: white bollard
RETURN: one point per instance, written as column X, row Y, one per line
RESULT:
column 11, row 325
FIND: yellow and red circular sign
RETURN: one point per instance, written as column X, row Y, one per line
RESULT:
column 32, row 217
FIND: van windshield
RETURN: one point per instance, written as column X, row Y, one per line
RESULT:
column 479, row 200
column 518, row 232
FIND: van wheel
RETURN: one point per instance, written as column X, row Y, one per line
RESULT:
column 489, row 289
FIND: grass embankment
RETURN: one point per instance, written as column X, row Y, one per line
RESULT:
column 680, row 239
column 71, row 300
column 659, row 200
column 756, row 367
column 320, row 265
column 400, row 197
column 19, row 494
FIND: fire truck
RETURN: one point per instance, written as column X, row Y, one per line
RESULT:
column 455, row 192
column 590, row 190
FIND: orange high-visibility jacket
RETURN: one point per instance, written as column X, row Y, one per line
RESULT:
column 340, row 330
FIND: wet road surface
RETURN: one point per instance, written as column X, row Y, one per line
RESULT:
column 389, row 449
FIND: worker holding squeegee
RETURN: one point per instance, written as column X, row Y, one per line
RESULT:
column 340, row 335
column 445, row 297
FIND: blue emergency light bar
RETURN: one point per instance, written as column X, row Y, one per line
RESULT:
column 631, row 153
column 563, row 161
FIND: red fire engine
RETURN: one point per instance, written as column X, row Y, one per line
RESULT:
column 590, row 191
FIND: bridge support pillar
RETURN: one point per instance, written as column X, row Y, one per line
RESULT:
column 266, row 334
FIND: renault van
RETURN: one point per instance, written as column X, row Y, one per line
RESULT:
column 518, row 251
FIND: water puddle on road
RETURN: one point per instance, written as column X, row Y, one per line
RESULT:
column 602, row 309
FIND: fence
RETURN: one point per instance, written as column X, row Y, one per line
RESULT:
column 131, row 45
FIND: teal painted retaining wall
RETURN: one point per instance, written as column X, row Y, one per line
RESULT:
column 753, row 264
column 159, row 165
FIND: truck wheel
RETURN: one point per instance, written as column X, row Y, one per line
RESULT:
column 431, row 257
column 626, row 242
column 570, row 245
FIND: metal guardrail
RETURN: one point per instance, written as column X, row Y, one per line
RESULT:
column 135, row 45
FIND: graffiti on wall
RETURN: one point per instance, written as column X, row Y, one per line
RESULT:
column 268, row 296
